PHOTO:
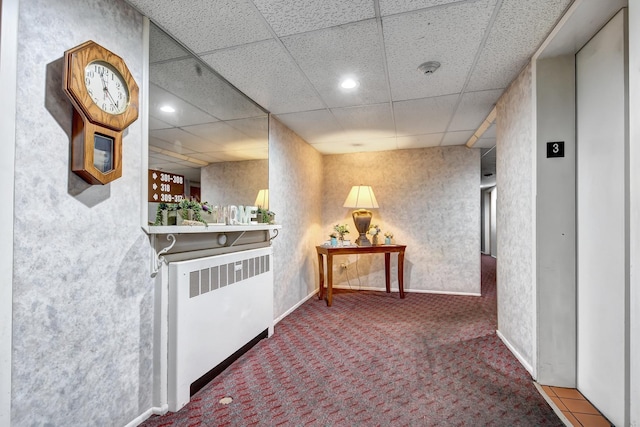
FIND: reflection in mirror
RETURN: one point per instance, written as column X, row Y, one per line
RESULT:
column 202, row 128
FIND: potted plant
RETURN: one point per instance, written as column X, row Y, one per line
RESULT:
column 190, row 210
column 265, row 216
column 334, row 239
column 341, row 229
column 166, row 214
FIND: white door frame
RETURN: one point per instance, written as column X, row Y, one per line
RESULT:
column 8, row 77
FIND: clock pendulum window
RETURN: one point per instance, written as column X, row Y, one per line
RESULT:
column 105, row 100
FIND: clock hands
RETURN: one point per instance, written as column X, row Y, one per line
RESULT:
column 105, row 89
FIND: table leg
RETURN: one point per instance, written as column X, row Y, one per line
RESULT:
column 387, row 273
column 329, row 279
column 401, row 273
column 321, row 272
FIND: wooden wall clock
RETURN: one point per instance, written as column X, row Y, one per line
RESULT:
column 105, row 100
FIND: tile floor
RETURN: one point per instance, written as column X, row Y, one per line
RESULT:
column 575, row 408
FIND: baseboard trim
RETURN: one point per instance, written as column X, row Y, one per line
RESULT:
column 515, row 352
column 427, row 291
column 292, row 309
column 415, row 291
column 146, row 414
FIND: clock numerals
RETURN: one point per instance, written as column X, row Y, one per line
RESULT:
column 106, row 87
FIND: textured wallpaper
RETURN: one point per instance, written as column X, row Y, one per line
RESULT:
column 429, row 199
column 234, row 183
column 295, row 193
column 82, row 297
column 515, row 215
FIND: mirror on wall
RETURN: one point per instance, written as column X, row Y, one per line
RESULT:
column 202, row 129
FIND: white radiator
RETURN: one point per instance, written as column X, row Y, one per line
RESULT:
column 216, row 305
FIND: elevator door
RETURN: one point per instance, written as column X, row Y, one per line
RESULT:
column 601, row 237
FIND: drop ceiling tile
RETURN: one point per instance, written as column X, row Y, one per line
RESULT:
column 420, row 141
column 313, row 126
column 473, row 109
column 219, row 134
column 229, row 156
column 257, row 154
column 267, row 75
column 170, row 145
column 186, row 114
column 456, row 138
column 515, row 36
column 450, row 35
column 209, row 157
column 424, row 116
column 158, row 124
column 328, row 56
column 342, row 147
column 389, row 7
column 193, row 81
column 254, row 128
column 205, row 25
column 296, row 16
column 162, row 47
column 368, row 121
column 179, row 139
column 159, row 158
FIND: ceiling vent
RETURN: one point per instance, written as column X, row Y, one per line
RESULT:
column 429, row 67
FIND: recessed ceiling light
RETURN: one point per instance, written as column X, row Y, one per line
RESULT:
column 349, row 83
column 167, row 109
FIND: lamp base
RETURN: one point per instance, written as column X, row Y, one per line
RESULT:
column 362, row 220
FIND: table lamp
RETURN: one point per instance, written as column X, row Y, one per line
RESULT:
column 262, row 200
column 361, row 198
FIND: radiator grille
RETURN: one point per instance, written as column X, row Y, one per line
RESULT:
column 210, row 279
column 216, row 305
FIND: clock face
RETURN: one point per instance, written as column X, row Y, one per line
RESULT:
column 107, row 87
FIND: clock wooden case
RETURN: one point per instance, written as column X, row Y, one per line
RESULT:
column 105, row 100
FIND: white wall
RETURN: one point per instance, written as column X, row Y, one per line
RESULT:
column 493, row 223
column 634, row 212
column 428, row 198
column 515, row 218
column 485, row 222
column 556, row 222
column 8, row 53
column 233, row 183
column 602, row 220
column 295, row 195
column 82, row 292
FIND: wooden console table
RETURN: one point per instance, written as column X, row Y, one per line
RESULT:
column 331, row 251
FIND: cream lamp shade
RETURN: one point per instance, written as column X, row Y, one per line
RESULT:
column 361, row 198
column 262, row 200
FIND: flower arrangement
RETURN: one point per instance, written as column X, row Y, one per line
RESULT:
column 187, row 204
column 165, row 208
column 341, row 230
column 265, row 216
column 374, row 230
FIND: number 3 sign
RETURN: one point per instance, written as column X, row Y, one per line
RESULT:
column 555, row 149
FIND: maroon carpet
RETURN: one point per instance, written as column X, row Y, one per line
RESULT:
column 373, row 359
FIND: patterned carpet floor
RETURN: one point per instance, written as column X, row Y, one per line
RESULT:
column 373, row 359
